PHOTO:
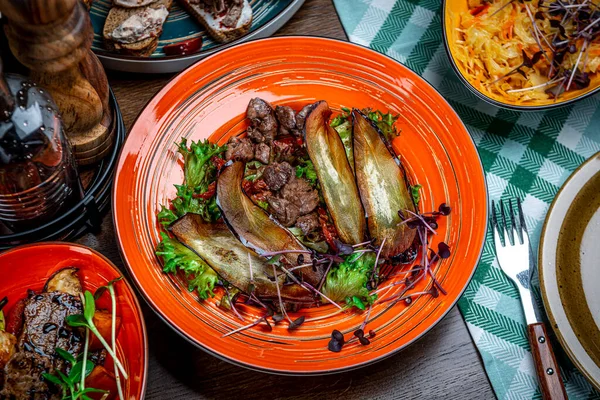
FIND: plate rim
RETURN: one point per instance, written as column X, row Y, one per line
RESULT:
column 547, row 255
column 130, row 287
column 481, row 172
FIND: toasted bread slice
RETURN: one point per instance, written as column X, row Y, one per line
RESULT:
column 116, row 16
column 132, row 3
column 213, row 25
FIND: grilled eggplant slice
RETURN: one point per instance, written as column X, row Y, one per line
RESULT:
column 254, row 227
column 327, row 152
column 64, row 281
column 216, row 245
column 383, row 187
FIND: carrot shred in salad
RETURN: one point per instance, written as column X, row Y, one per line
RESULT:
column 526, row 51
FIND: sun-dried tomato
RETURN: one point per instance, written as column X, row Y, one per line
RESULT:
column 210, row 192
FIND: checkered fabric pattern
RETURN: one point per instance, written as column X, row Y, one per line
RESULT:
column 528, row 155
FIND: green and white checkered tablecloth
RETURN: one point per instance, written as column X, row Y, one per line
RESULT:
column 528, row 155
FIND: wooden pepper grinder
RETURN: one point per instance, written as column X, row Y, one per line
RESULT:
column 52, row 38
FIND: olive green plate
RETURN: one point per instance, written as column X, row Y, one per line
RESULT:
column 570, row 268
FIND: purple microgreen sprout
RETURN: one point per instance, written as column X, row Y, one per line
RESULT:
column 420, row 217
column 243, row 328
column 585, row 43
column 276, row 253
column 309, row 286
column 549, row 83
column 322, row 282
column 279, row 295
column 343, row 249
column 232, row 304
column 362, row 244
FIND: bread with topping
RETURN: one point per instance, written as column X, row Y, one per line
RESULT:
column 225, row 20
column 115, row 18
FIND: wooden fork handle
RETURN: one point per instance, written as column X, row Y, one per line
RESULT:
column 546, row 366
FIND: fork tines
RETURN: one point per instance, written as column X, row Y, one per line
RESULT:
column 517, row 222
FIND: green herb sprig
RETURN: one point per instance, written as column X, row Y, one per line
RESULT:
column 70, row 384
column 86, row 320
column 110, row 286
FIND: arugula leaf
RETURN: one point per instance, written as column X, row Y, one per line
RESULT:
column 177, row 257
column 306, row 169
column 348, row 280
column 415, row 193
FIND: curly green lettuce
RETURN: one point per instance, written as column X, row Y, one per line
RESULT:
column 343, row 126
column 199, row 173
column 348, row 280
column 176, row 257
column 385, row 123
column 306, row 169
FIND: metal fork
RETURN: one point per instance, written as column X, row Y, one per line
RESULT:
column 514, row 256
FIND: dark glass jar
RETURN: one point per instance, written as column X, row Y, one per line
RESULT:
column 38, row 175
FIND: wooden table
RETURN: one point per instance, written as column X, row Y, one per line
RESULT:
column 444, row 364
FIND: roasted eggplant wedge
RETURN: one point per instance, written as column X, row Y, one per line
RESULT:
column 255, row 228
column 338, row 185
column 216, row 245
column 383, row 187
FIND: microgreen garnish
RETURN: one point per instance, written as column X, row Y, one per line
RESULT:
column 85, row 320
column 527, row 62
column 70, row 384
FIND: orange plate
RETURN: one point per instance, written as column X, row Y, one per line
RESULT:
column 209, row 100
column 30, row 266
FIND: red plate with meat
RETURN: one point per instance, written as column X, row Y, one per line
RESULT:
column 42, row 283
column 246, row 97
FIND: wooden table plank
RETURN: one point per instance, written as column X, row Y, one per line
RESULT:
column 443, row 364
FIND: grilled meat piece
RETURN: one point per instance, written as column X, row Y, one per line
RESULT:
column 276, row 175
column 308, row 223
column 301, row 117
column 262, row 153
column 263, row 124
column 287, row 120
column 299, row 192
column 44, row 329
column 284, row 151
column 239, row 149
column 284, row 210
